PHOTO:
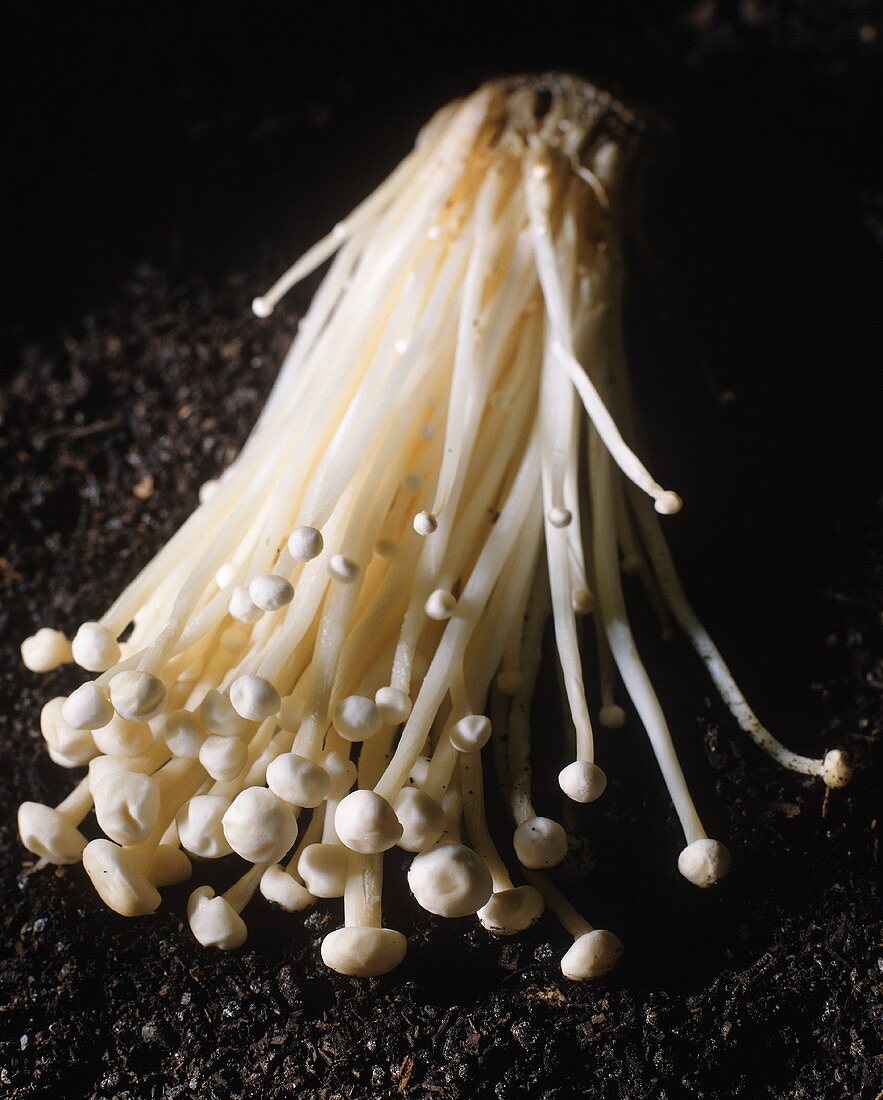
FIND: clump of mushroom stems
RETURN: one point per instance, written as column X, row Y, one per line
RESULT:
column 314, row 664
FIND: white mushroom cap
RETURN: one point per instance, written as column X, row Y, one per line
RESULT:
column 278, row 886
column 220, row 717
column 668, row 503
column 169, row 866
column 450, row 881
column 182, row 732
column 49, row 834
column 305, row 543
column 836, row 771
column 366, row 823
column 363, row 952
column 86, row 708
column 612, row 717
column 540, row 842
column 297, row 780
column 120, row 737
column 592, row 955
column 127, row 806
column 425, row 523
column 94, row 648
column 582, row 781
column 440, row 605
column 119, row 878
column 137, row 696
column 419, row 772
column 259, row 826
column 323, row 867
column 394, row 705
column 560, row 517
column 214, row 921
column 63, row 740
column 242, row 607
column 342, row 772
column 422, row 819
column 270, row 592
column 45, row 650
column 199, row 826
column 61, row 760
column 223, row 757
column 511, row 911
column 208, row 489
column 291, row 713
column 704, row 862
column 225, row 574
column 254, row 698
column 103, row 766
column 470, row 733
column 356, row 718
column 343, row 569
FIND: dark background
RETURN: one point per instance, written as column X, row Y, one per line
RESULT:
column 162, row 162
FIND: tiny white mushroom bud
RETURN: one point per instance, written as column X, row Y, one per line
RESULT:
column 270, row 592
column 49, row 834
column 208, row 489
column 394, row 705
column 836, row 771
column 470, row 733
column 323, row 867
column 297, row 780
column 242, row 607
column 540, row 842
column 75, row 745
column 582, row 601
column 225, row 574
column 560, row 517
column 119, row 878
column 511, row 911
column 363, row 952
column 422, row 819
column 283, row 889
column 612, row 717
column 582, row 781
column 94, row 648
column 291, row 713
column 440, row 606
column 592, row 955
column 342, row 772
column 120, row 737
column 509, row 681
column 343, row 569
column 86, row 708
column 199, row 826
column 425, row 523
column 169, row 866
column 260, row 307
column 450, row 881
column 305, row 543
column 367, row 823
column 127, row 806
column 214, row 921
column 357, row 718
column 219, row 716
column 137, row 696
column 259, row 826
column 182, row 732
column 254, row 698
column 419, row 772
column 223, row 757
column 704, row 862
column 45, row 650
column 668, row 503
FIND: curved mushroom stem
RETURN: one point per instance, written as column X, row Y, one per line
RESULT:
column 363, row 947
column 215, row 919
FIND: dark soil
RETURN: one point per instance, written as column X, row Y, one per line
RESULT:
column 143, row 178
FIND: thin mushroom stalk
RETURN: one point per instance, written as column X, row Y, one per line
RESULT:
column 355, row 610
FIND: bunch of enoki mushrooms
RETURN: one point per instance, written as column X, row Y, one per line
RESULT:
column 314, row 663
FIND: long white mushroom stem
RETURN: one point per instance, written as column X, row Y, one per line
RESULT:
column 322, row 637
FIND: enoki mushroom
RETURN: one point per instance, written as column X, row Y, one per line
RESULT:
column 315, row 662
